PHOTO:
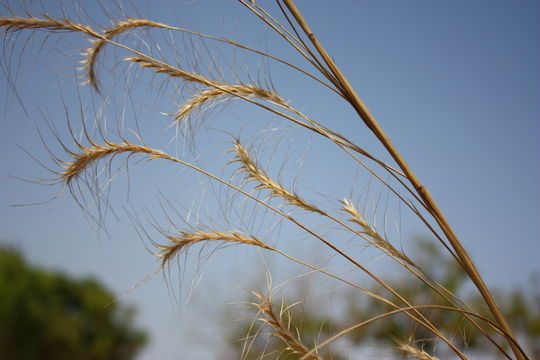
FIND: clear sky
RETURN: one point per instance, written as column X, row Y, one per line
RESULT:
column 456, row 85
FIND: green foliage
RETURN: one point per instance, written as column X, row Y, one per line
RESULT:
column 46, row 315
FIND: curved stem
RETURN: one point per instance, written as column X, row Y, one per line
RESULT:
column 432, row 207
column 493, row 325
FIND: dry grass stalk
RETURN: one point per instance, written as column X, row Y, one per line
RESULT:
column 382, row 243
column 49, row 23
column 336, row 76
column 216, row 89
column 368, row 230
column 245, row 91
column 93, row 153
column 184, row 240
column 253, row 172
column 280, row 330
column 92, row 52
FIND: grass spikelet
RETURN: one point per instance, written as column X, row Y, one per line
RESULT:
column 225, row 91
column 356, row 217
column 412, row 352
column 280, row 330
column 183, row 241
column 49, row 23
column 253, row 172
column 216, row 89
column 368, row 230
column 92, row 52
column 164, row 68
column 91, row 154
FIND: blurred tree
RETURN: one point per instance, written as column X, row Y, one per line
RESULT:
column 521, row 308
column 46, row 315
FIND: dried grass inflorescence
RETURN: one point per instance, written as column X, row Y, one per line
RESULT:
column 49, row 23
column 181, row 242
column 281, row 329
column 89, row 155
column 350, row 208
column 253, row 172
column 167, row 69
column 224, row 91
column 91, row 54
column 412, row 352
column 215, row 90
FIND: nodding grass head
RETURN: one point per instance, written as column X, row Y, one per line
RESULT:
column 89, row 155
column 91, row 53
column 373, row 235
column 253, row 172
column 181, row 242
column 49, row 23
column 281, row 329
column 412, row 352
column 227, row 91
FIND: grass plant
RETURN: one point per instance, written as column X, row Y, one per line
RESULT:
column 85, row 156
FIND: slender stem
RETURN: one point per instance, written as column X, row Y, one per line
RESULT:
column 421, row 319
column 397, row 311
column 362, row 110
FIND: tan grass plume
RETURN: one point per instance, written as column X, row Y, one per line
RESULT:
column 214, row 91
column 181, row 242
column 49, row 23
column 93, row 153
column 91, row 54
column 414, row 353
column 253, row 172
column 226, row 91
column 164, row 68
column 369, row 231
column 280, row 329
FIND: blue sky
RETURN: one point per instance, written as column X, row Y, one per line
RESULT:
column 456, row 85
